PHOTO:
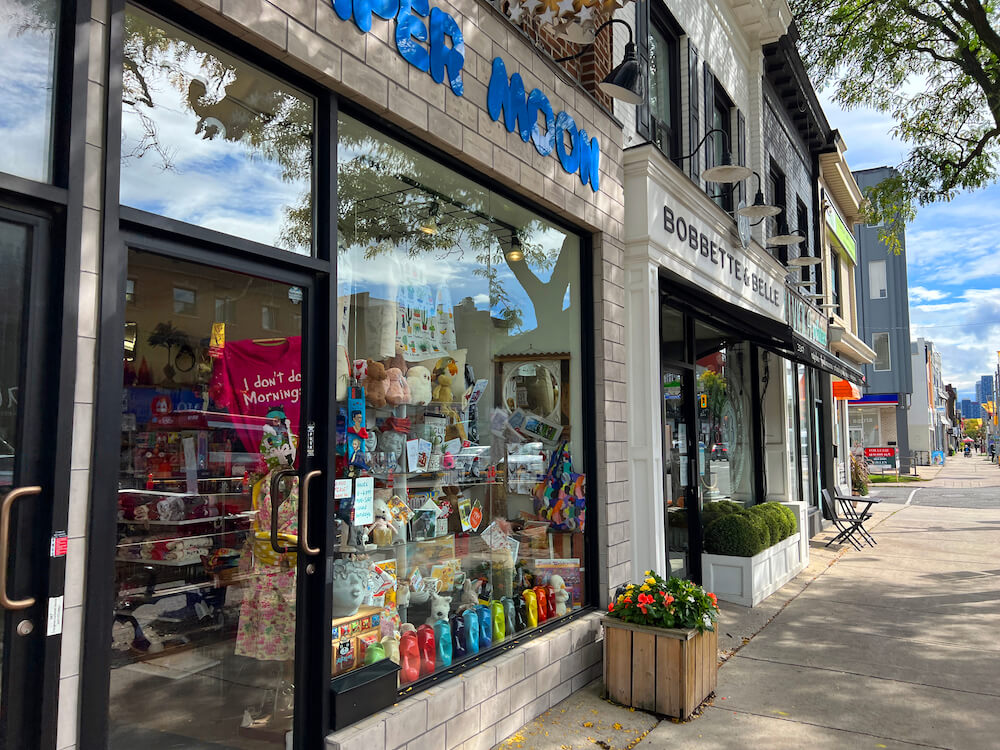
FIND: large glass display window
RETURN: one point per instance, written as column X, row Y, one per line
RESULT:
column 460, row 499
column 27, row 87
column 213, row 141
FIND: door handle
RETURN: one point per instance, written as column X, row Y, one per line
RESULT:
column 304, row 513
column 276, row 477
column 5, row 601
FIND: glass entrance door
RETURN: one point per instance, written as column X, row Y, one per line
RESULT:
column 210, row 541
column 26, row 374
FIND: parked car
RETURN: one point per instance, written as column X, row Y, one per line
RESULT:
column 720, row 452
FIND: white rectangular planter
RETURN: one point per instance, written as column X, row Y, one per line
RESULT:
column 750, row 580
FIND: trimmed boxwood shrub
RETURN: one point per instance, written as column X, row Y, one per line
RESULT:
column 776, row 523
column 738, row 534
column 721, row 506
column 790, row 516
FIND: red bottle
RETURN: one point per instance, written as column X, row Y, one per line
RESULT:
column 543, row 606
column 425, row 641
column 409, row 658
column 550, row 601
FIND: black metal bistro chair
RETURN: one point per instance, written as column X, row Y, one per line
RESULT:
column 846, row 527
column 847, row 502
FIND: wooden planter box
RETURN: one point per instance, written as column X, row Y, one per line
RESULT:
column 668, row 672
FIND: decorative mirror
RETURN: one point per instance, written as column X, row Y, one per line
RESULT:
column 536, row 385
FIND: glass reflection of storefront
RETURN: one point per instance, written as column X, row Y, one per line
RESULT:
column 710, row 452
column 457, row 502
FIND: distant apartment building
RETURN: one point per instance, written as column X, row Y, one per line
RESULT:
column 984, row 393
column 970, row 409
column 928, row 421
column 881, row 415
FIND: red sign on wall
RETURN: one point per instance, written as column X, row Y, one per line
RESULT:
column 881, row 456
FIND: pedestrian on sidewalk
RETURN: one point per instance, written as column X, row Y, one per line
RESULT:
column 993, row 453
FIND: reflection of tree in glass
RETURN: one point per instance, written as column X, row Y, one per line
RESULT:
column 24, row 16
column 713, row 385
column 383, row 202
column 229, row 102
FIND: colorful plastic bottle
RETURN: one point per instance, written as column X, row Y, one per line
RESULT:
column 409, row 658
column 458, row 637
column 543, row 607
column 509, row 615
column 499, row 631
column 442, row 638
column 425, row 641
column 531, row 608
column 485, row 626
column 520, row 614
column 471, row 630
column 550, row 601
column 375, row 652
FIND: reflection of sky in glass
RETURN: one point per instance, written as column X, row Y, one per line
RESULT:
column 27, row 62
column 230, row 166
column 465, row 266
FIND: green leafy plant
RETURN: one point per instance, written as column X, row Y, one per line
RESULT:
column 859, row 476
column 737, row 534
column 776, row 523
column 660, row 603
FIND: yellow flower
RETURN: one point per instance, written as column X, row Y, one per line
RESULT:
column 621, row 598
column 649, row 572
column 630, row 587
column 651, row 581
column 644, row 587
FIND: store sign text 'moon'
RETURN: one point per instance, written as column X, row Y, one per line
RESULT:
column 577, row 152
column 431, row 40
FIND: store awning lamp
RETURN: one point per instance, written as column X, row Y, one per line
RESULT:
column 802, row 260
column 624, row 83
column 429, row 225
column 784, row 238
column 759, row 209
column 726, row 172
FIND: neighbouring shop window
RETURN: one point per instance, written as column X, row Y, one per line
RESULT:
column 459, row 386
column 725, row 438
column 203, row 640
column 213, row 141
column 791, row 427
column 836, row 281
column 877, row 288
column 28, row 30
column 880, row 343
column 225, row 310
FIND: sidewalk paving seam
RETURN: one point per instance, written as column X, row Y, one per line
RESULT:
column 895, row 607
column 869, row 676
column 830, row 728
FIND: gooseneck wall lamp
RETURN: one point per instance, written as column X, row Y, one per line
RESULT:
column 624, row 83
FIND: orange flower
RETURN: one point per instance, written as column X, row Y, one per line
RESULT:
column 667, row 599
column 714, row 598
column 645, row 599
column 611, row 606
column 628, row 599
column 643, row 608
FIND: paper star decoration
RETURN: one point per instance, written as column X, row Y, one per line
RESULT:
column 585, row 15
column 515, row 11
column 548, row 17
column 566, row 8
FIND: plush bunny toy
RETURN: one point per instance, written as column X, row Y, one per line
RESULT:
column 440, row 609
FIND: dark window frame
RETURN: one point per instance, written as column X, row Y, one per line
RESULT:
column 776, row 186
column 666, row 136
column 126, row 227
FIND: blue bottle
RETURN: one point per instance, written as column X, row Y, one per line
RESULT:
column 471, row 630
column 485, row 626
column 442, row 639
column 458, row 650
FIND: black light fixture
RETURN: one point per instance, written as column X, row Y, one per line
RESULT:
column 759, row 209
column 784, row 238
column 624, row 83
column 805, row 260
column 515, row 252
column 726, row 172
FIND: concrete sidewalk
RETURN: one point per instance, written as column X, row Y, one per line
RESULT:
column 891, row 647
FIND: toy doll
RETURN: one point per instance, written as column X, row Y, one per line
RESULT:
column 560, row 594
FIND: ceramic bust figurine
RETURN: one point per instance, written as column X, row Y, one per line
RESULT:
column 560, row 594
column 350, row 585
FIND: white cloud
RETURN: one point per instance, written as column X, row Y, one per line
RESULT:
column 923, row 294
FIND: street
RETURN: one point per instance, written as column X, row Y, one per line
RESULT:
column 891, row 647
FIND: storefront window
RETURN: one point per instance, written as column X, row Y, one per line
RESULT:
column 791, row 425
column 27, row 84
column 460, row 392
column 725, row 441
column 213, row 141
column 203, row 641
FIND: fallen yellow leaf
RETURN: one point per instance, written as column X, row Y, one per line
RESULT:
column 616, row 725
column 588, row 723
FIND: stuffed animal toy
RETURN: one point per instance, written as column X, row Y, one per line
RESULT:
column 440, row 608
column 343, row 373
column 456, row 425
column 375, row 383
column 470, row 595
column 397, row 390
column 442, row 391
column 359, row 369
column 382, row 532
column 397, row 360
column 419, row 380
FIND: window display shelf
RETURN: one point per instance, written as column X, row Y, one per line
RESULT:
column 164, row 563
column 189, row 521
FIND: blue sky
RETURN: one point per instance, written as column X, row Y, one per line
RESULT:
column 952, row 257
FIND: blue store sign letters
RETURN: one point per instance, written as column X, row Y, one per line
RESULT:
column 431, row 41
